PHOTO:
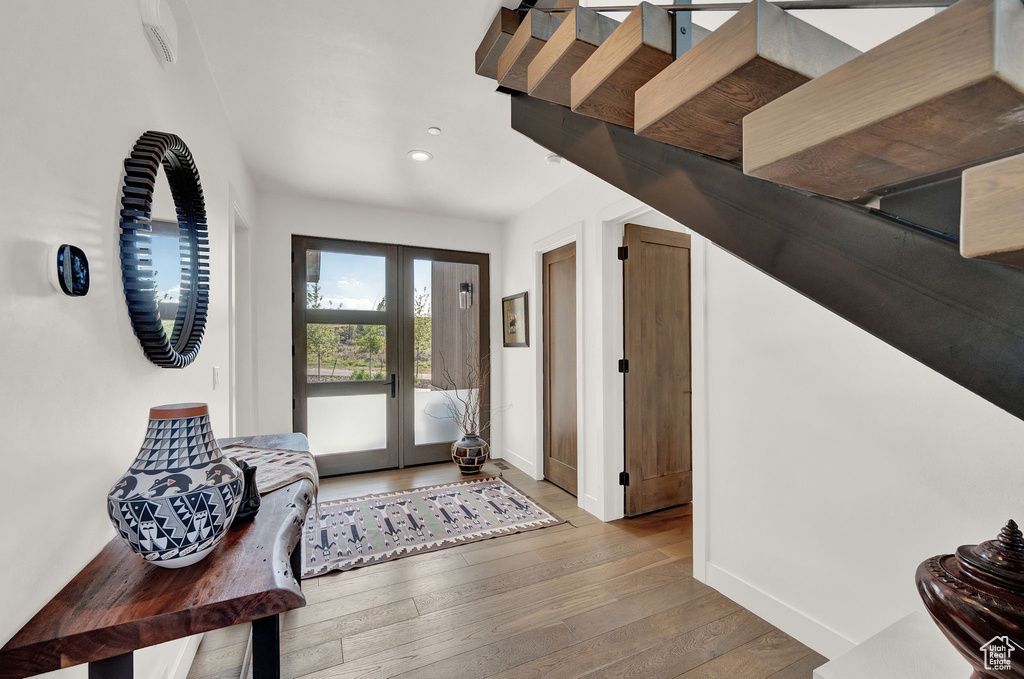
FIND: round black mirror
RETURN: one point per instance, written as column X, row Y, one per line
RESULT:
column 168, row 319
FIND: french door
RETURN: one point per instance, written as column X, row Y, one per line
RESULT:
column 388, row 343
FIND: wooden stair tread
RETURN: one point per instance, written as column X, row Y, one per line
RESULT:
column 636, row 51
column 990, row 215
column 698, row 102
column 500, row 31
column 944, row 94
column 533, row 33
column 574, row 41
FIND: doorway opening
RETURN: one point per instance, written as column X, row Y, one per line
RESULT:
column 387, row 341
column 559, row 370
column 656, row 369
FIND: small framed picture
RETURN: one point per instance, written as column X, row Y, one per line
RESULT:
column 515, row 320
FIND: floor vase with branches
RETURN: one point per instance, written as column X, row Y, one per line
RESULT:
column 465, row 409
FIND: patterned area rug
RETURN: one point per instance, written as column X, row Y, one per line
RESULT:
column 346, row 534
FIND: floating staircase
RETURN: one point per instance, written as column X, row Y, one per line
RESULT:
column 942, row 95
column 579, row 36
column 501, row 30
column 505, row 24
column 636, row 51
column 758, row 55
column 532, row 34
column 735, row 134
column 992, row 211
column 793, row 104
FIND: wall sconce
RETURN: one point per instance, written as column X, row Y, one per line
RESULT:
column 465, row 295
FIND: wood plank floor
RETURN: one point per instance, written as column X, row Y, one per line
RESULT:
column 582, row 599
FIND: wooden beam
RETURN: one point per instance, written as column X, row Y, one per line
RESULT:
column 947, row 93
column 991, row 208
column 759, row 54
column 582, row 32
column 498, row 34
column 961, row 317
column 636, row 51
column 536, row 29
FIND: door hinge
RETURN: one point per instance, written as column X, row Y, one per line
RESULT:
column 623, row 252
column 623, row 478
column 623, row 365
column 293, row 297
column 293, row 350
column 293, row 256
column 293, row 404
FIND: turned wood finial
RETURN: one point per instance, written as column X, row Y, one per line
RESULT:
column 1011, row 537
column 978, row 594
column 999, row 561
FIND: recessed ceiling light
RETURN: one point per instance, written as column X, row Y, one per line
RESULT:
column 553, row 159
column 420, row 156
column 434, row 131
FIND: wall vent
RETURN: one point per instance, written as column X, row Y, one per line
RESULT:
column 161, row 29
column 158, row 40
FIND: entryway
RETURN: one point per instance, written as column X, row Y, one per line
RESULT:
column 388, row 340
column 584, row 598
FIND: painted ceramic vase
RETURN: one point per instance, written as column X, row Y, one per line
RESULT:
column 180, row 495
column 976, row 597
column 470, row 453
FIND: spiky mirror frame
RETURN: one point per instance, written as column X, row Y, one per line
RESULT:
column 151, row 151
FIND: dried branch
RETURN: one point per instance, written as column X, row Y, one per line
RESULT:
column 467, row 410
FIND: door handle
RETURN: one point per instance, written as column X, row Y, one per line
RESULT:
column 394, row 385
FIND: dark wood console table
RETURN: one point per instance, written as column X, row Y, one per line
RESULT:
column 119, row 603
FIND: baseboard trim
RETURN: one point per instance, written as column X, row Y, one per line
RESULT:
column 520, row 463
column 798, row 625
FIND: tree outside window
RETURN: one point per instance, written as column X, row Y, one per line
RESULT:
column 422, row 336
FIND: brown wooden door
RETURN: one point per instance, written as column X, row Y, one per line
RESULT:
column 559, row 310
column 656, row 278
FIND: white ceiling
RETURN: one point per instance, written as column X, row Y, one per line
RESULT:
column 327, row 97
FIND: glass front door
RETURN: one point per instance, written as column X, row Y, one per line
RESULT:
column 345, row 369
column 443, row 359
column 387, row 345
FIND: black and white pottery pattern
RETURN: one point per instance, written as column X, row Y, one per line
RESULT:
column 181, row 494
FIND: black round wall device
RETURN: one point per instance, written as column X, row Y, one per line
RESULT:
column 69, row 269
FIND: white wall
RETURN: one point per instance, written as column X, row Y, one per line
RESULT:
column 79, row 83
column 564, row 216
column 836, row 463
column 827, row 464
column 280, row 217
